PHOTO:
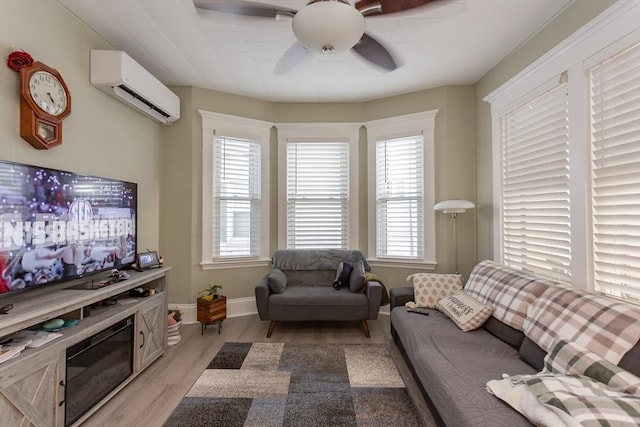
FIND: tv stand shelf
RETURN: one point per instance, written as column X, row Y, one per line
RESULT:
column 32, row 384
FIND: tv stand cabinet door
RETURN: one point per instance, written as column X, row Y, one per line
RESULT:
column 151, row 328
column 29, row 391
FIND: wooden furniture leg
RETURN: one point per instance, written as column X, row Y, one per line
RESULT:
column 271, row 326
column 365, row 327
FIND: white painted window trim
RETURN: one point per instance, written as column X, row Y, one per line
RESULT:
column 396, row 127
column 239, row 127
column 318, row 132
column 604, row 36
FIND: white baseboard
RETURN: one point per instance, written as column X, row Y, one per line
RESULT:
column 235, row 307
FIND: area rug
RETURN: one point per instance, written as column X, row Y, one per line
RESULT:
column 271, row 384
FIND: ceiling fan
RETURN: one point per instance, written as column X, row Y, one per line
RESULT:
column 323, row 26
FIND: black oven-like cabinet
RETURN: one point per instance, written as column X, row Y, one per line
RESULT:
column 33, row 385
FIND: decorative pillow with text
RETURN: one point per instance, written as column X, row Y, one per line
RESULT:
column 429, row 288
column 465, row 311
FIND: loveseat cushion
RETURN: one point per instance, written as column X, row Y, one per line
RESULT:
column 324, row 296
column 357, row 277
column 302, row 303
column 277, row 281
column 509, row 292
column 342, row 275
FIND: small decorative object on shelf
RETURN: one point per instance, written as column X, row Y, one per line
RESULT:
column 211, row 311
column 212, row 292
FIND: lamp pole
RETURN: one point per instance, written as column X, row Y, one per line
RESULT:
column 454, row 220
column 454, row 207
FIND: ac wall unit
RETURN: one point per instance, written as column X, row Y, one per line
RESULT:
column 117, row 74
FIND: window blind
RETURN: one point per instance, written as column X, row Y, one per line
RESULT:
column 535, row 183
column 236, row 188
column 317, row 195
column 615, row 174
column 399, row 197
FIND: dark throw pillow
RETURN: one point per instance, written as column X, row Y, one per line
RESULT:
column 342, row 275
column 357, row 278
column 277, row 281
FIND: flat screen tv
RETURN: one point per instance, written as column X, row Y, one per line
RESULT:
column 57, row 226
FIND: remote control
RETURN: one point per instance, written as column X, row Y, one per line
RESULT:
column 419, row 310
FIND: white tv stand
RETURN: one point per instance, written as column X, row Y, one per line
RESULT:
column 32, row 385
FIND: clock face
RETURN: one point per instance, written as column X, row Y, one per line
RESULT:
column 47, row 92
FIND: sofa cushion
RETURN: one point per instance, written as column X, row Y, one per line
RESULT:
column 605, row 326
column 506, row 333
column 277, row 281
column 631, row 360
column 509, row 292
column 454, row 367
column 429, row 288
column 531, row 353
column 357, row 278
column 342, row 275
column 466, row 312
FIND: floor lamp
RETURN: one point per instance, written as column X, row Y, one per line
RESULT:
column 454, row 207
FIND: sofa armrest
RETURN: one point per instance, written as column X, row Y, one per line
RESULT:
column 262, row 298
column 374, row 295
column 399, row 296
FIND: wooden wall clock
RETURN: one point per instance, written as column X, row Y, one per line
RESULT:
column 44, row 102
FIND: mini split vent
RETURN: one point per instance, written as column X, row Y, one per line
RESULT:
column 117, row 74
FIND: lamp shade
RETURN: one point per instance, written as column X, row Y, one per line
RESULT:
column 453, row 206
column 328, row 26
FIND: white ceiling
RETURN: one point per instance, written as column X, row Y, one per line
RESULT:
column 449, row 42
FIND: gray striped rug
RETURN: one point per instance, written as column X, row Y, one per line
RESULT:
column 276, row 384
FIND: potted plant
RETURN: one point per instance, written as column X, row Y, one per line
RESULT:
column 211, row 307
column 212, row 292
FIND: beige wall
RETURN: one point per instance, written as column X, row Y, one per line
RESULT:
column 181, row 216
column 101, row 136
column 566, row 23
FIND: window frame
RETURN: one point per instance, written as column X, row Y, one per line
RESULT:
column 610, row 32
column 408, row 125
column 216, row 124
column 317, row 133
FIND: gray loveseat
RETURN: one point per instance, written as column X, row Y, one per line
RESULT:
column 453, row 367
column 300, row 289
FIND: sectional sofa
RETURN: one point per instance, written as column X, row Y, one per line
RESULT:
column 529, row 316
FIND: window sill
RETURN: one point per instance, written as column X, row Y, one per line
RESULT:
column 236, row 263
column 403, row 263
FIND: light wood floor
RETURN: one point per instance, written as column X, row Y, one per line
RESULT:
column 149, row 399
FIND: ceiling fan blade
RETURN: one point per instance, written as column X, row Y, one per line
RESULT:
column 371, row 50
column 384, row 7
column 292, row 58
column 244, row 8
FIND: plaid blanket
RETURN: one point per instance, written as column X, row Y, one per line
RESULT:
column 509, row 292
column 587, row 401
column 606, row 327
column 578, row 387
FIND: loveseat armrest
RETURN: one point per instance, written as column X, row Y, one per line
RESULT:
column 374, row 295
column 399, row 296
column 262, row 298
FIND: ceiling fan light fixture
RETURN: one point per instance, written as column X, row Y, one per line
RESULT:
column 328, row 26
